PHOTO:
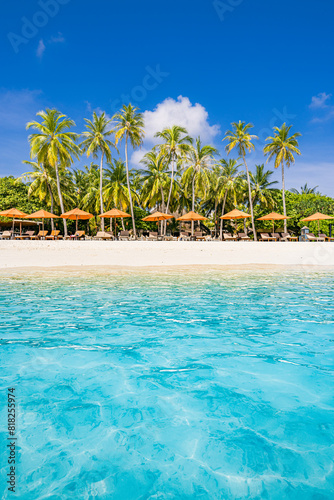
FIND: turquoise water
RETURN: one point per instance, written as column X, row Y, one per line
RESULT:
column 170, row 384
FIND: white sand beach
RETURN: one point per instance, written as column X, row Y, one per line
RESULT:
column 56, row 254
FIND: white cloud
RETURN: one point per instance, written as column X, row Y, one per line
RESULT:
column 319, row 101
column 193, row 117
column 40, row 49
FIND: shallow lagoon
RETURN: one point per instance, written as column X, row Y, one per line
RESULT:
column 168, row 384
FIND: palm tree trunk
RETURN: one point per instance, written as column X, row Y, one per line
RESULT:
column 61, row 199
column 215, row 217
column 223, row 210
column 52, row 202
column 101, row 192
column 283, row 195
column 128, row 183
column 250, row 198
column 171, row 185
column 163, row 223
column 193, row 204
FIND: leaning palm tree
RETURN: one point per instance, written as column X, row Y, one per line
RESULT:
column 129, row 124
column 262, row 186
column 199, row 162
column 55, row 144
column 96, row 140
column 281, row 147
column 241, row 139
column 176, row 145
column 155, row 180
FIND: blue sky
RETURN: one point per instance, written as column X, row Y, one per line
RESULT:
column 199, row 63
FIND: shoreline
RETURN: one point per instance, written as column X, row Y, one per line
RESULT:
column 55, row 255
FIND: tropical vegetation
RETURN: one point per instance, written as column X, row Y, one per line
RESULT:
column 180, row 173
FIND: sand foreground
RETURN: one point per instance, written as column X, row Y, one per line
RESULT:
column 46, row 254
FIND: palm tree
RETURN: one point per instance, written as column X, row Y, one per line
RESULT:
column 305, row 190
column 155, row 179
column 97, row 141
column 55, row 144
column 240, row 139
column 228, row 183
column 281, row 147
column 261, row 186
column 42, row 183
column 199, row 159
column 129, row 124
column 177, row 144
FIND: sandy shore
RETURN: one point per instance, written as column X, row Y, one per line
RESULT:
column 46, row 254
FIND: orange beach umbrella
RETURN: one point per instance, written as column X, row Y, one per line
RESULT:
column 77, row 214
column 273, row 216
column 42, row 214
column 235, row 214
column 13, row 213
column 318, row 216
column 157, row 216
column 192, row 216
column 113, row 214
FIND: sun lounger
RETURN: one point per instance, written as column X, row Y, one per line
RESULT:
column 78, row 235
column 184, row 236
column 25, row 236
column 243, row 237
column 6, row 235
column 124, row 235
column 327, row 238
column 229, row 237
column 266, row 237
column 152, row 236
column 311, row 237
column 199, row 235
column 288, row 237
column 103, row 235
column 55, row 235
column 39, row 236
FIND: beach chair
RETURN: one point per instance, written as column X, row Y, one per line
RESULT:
column 311, row 237
column 276, row 235
column 124, row 235
column 199, row 235
column 78, row 235
column 184, row 236
column 229, row 237
column 288, row 237
column 39, row 236
column 6, row 235
column 326, row 238
column 26, row 236
column 54, row 235
column 266, row 237
column 243, row 237
column 152, row 236
column 103, row 235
